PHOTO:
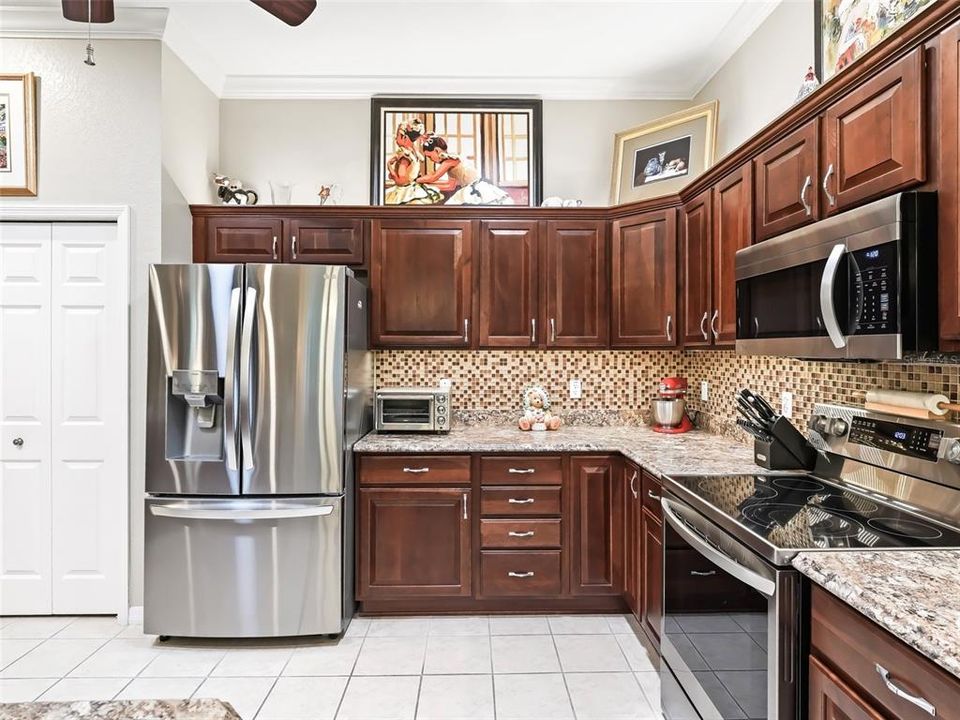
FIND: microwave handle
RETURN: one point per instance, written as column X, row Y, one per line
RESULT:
column 827, row 310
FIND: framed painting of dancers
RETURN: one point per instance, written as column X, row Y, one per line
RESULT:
column 456, row 151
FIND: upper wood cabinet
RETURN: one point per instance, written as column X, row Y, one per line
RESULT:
column 509, row 295
column 643, row 307
column 243, row 238
column 330, row 241
column 874, row 137
column 732, row 231
column 421, row 281
column 786, row 182
column 255, row 238
column 576, row 288
column 695, row 269
column 949, row 194
column 597, row 526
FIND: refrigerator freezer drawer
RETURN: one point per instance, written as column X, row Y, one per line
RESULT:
column 243, row 567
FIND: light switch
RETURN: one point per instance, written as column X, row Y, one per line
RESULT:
column 576, row 389
column 704, row 390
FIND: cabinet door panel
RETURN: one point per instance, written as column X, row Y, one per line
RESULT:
column 329, row 241
column 509, row 290
column 732, row 231
column 421, row 282
column 597, row 520
column 414, row 541
column 695, row 270
column 644, row 280
column 949, row 193
column 633, row 539
column 785, row 177
column 833, row 699
column 576, row 284
column 874, row 136
column 652, row 605
column 243, row 239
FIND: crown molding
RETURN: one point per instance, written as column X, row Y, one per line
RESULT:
column 343, row 87
column 45, row 21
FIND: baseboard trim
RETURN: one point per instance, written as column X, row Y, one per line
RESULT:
column 135, row 615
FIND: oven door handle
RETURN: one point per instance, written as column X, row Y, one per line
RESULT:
column 827, row 310
column 726, row 563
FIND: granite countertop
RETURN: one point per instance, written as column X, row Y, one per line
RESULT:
column 202, row 709
column 914, row 594
column 694, row 452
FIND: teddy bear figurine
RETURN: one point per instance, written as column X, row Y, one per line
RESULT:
column 536, row 411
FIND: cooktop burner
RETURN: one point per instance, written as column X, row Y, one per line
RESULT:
column 804, row 513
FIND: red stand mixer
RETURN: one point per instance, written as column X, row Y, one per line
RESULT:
column 669, row 408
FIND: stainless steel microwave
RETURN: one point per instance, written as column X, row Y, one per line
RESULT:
column 413, row 410
column 861, row 285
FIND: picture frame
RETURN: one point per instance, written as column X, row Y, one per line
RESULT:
column 464, row 151
column 18, row 135
column 662, row 156
column 846, row 29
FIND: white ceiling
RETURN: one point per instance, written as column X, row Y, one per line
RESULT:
column 356, row 48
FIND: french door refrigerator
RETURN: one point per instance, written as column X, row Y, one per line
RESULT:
column 259, row 382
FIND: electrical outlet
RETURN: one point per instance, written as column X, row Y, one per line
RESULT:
column 786, row 404
column 576, row 389
column 704, row 390
column 444, row 384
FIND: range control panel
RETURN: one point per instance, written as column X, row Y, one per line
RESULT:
column 911, row 440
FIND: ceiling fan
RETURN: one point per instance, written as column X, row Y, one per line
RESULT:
column 292, row 12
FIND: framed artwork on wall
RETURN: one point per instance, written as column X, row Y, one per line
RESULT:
column 846, row 29
column 455, row 151
column 18, row 135
column 662, row 156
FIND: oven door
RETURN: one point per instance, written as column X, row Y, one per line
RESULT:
column 405, row 413
column 730, row 640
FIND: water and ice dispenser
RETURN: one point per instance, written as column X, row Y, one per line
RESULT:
column 195, row 415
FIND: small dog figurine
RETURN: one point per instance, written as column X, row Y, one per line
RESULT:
column 231, row 192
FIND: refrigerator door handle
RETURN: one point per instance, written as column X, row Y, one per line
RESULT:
column 246, row 368
column 198, row 511
column 229, row 380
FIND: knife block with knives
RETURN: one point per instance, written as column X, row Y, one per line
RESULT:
column 778, row 445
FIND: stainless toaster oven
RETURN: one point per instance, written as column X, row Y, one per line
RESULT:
column 413, row 410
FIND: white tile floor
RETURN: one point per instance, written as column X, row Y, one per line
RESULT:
column 453, row 668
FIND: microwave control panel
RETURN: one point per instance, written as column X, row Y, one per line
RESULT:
column 874, row 280
column 911, row 440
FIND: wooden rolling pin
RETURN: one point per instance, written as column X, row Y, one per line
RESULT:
column 912, row 404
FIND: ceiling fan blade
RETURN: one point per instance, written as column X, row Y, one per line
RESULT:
column 100, row 10
column 292, row 12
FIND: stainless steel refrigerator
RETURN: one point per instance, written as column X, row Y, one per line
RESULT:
column 259, row 381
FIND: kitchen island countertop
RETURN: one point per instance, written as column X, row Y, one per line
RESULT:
column 200, row 709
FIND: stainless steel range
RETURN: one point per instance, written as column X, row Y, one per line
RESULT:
column 732, row 637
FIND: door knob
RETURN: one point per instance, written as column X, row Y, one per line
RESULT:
column 18, row 442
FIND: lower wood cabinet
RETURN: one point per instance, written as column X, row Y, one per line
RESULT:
column 652, row 572
column 520, row 573
column 832, row 699
column 596, row 517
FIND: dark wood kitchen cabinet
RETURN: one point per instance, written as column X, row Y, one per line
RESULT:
column 596, row 518
column 509, row 294
column 787, row 194
column 643, row 306
column 695, row 269
column 328, row 241
column 240, row 239
column 421, row 282
column 633, row 539
column 732, row 231
column 260, row 238
column 576, row 287
column 651, row 570
column 949, row 194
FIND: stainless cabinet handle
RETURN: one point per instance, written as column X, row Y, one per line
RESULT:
column 803, row 195
column 826, row 183
column 464, row 506
column 18, row 442
column 698, row 573
column 920, row 702
column 713, row 325
column 669, row 328
column 521, row 471
column 293, row 247
column 703, row 326
column 528, row 574
column 653, row 496
column 274, row 249
column 521, row 501
column 466, row 330
column 553, row 330
column 416, row 470
column 533, row 331
column 514, row 533
column 633, row 487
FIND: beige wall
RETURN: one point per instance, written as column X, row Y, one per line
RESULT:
column 309, row 142
column 761, row 79
column 99, row 144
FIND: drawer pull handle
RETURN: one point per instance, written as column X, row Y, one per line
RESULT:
column 528, row 574
column 920, row 702
column 706, row 573
column 653, row 496
column 522, row 471
column 521, row 501
column 527, row 533
column 416, row 470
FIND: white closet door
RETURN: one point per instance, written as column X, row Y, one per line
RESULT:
column 25, row 484
column 89, row 386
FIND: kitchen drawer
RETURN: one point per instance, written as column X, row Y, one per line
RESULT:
column 415, row 470
column 520, row 533
column 531, row 573
column 523, row 500
column 856, row 646
column 652, row 489
column 521, row 470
